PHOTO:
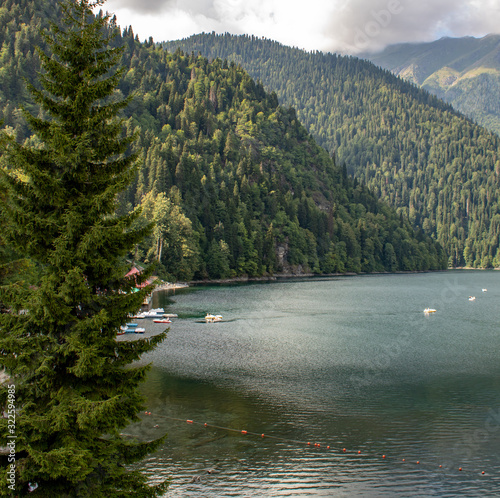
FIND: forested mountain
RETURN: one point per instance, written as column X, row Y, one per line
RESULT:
column 440, row 170
column 463, row 71
column 236, row 184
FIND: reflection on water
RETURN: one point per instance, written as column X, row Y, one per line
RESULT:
column 351, row 363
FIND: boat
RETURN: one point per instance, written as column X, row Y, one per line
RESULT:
column 154, row 313
column 170, row 315
column 472, row 298
column 162, row 320
column 485, row 290
column 131, row 328
column 209, row 318
column 429, row 310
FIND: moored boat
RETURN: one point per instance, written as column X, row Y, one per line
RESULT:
column 209, row 318
column 153, row 313
column 429, row 310
column 131, row 328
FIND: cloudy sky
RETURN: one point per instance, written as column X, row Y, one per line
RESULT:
column 345, row 26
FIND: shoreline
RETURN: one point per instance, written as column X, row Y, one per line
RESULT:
column 268, row 278
column 285, row 276
column 171, row 286
column 472, row 268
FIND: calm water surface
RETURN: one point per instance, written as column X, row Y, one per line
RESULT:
column 349, row 362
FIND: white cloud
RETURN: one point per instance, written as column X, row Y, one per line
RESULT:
column 347, row 26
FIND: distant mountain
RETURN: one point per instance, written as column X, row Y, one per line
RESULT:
column 463, row 71
column 440, row 170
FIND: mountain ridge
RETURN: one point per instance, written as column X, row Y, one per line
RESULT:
column 462, row 71
column 432, row 163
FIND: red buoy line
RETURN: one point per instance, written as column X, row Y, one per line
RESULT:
column 309, row 444
column 230, row 429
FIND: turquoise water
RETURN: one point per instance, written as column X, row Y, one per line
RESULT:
column 348, row 362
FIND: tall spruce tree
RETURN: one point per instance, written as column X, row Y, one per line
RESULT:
column 74, row 386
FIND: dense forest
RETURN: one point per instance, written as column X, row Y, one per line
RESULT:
column 234, row 182
column 436, row 167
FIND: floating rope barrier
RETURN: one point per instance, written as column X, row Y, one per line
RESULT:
column 309, row 444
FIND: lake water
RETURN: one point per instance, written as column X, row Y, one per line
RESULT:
column 347, row 363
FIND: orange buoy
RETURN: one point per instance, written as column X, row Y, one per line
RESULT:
column 404, row 460
column 343, row 450
column 328, row 447
column 262, row 435
column 383, row 456
column 440, row 466
column 189, row 421
column 244, row 431
column 482, row 472
column 308, row 443
column 359, row 452
column 206, row 425
column 460, row 468
column 418, row 461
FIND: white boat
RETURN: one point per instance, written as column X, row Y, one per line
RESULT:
column 162, row 320
column 429, row 310
column 209, row 318
column 170, row 315
column 155, row 313
column 131, row 328
column 472, row 298
column 485, row 290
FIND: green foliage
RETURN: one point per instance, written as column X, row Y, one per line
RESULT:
column 246, row 174
column 249, row 177
column 74, row 387
column 413, row 151
column 172, row 244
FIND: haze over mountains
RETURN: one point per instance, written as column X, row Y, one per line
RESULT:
column 463, row 71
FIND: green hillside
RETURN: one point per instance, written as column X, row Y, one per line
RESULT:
column 463, row 71
column 235, row 182
column 436, row 167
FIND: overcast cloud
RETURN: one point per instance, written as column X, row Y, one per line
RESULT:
column 346, row 26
